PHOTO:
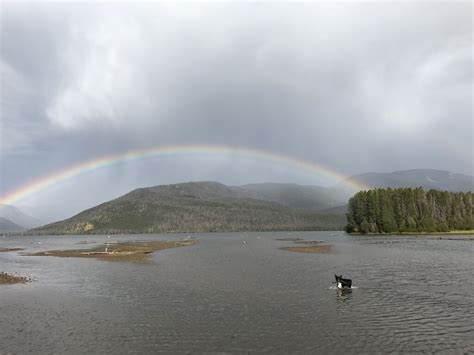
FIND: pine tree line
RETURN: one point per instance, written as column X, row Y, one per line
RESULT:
column 409, row 210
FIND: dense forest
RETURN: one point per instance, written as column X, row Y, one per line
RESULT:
column 408, row 210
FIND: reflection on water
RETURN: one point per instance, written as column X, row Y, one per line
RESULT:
column 411, row 296
column 343, row 294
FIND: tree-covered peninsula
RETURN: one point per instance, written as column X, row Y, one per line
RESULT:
column 408, row 210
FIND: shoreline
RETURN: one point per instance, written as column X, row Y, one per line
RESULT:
column 171, row 233
column 457, row 232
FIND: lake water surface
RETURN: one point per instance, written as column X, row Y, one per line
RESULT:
column 412, row 294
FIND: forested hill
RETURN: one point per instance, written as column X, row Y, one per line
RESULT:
column 409, row 210
column 191, row 207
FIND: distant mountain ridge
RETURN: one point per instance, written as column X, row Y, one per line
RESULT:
column 17, row 217
column 312, row 198
column 425, row 178
column 7, row 226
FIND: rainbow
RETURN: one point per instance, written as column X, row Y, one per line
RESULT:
column 170, row 150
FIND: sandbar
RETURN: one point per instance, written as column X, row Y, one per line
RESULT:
column 8, row 279
column 315, row 249
column 6, row 250
column 131, row 251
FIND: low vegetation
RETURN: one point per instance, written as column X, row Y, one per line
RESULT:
column 7, row 279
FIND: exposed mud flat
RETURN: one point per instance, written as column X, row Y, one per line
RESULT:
column 309, row 242
column 133, row 251
column 460, row 239
column 6, row 250
column 315, row 249
column 8, row 279
column 289, row 239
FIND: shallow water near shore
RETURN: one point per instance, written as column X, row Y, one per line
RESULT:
column 412, row 294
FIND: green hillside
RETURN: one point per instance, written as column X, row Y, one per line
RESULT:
column 190, row 207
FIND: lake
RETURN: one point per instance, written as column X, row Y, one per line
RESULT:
column 411, row 294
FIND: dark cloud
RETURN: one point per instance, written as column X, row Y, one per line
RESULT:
column 353, row 86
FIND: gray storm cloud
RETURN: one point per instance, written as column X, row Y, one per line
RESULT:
column 353, row 86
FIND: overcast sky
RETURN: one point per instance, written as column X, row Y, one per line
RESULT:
column 355, row 87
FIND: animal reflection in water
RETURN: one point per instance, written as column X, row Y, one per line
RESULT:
column 343, row 294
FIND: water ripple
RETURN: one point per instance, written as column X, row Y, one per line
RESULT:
column 220, row 296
